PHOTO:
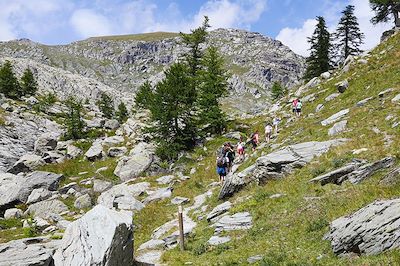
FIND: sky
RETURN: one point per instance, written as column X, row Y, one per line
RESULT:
column 65, row 21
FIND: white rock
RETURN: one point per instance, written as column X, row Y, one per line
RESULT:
column 101, row 185
column 337, row 128
column 38, row 194
column 218, row 240
column 335, row 117
column 83, row 202
column 13, row 213
column 396, row 98
column 95, row 152
column 164, row 180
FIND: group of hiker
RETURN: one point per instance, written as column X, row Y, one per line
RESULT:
column 226, row 154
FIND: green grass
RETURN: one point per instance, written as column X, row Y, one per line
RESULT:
column 147, row 37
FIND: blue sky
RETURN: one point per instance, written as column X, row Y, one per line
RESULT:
column 63, row 21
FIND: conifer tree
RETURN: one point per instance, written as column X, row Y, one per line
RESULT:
column 213, row 85
column 319, row 60
column 28, row 83
column 9, row 84
column 106, row 105
column 348, row 35
column 74, row 123
column 122, row 113
column 385, row 10
column 277, row 90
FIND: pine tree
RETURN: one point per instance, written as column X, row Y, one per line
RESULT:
column 213, row 85
column 384, row 10
column 348, row 35
column 28, row 83
column 74, row 123
column 171, row 106
column 277, row 90
column 9, row 84
column 319, row 60
column 106, row 105
column 122, row 113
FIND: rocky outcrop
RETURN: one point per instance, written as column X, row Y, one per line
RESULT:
column 356, row 172
column 235, row 182
column 237, row 221
column 279, row 163
column 101, row 237
column 27, row 252
column 370, row 231
column 335, row 117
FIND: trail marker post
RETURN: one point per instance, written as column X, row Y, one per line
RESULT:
column 181, row 232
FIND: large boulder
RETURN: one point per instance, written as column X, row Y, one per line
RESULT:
column 279, row 163
column 335, row 117
column 101, row 237
column 218, row 210
column 95, row 152
column 83, row 202
column 138, row 161
column 342, row 86
column 123, row 196
column 45, row 209
column 237, row 221
column 26, row 163
column 235, row 182
column 46, row 142
column 337, row 128
column 370, row 230
column 72, row 151
column 159, row 194
column 27, row 252
column 13, row 213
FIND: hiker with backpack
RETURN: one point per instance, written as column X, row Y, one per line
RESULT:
column 254, row 140
column 275, row 123
column 294, row 106
column 221, row 168
column 268, row 132
column 299, row 105
column 240, row 148
column 230, row 157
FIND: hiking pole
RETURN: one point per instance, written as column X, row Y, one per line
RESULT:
column 181, row 233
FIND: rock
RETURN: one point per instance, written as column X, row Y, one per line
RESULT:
column 159, row 194
column 233, row 135
column 335, row 117
column 101, row 185
column 355, row 172
column 319, row 108
column 332, row 97
column 254, row 259
column 114, row 140
column 392, row 178
column 218, row 240
column 279, row 163
column 164, row 180
column 43, row 209
column 53, row 157
column 362, row 61
column 101, row 237
column 40, row 223
column 13, row 213
column 396, row 98
column 16, row 189
column 337, row 128
column 370, row 230
column 46, row 142
column 311, row 84
column 237, row 221
column 27, row 252
column 38, row 194
column 235, row 182
column 95, row 152
column 383, row 93
column 152, row 257
column 152, row 244
column 31, row 100
column 179, row 200
column 363, row 102
column 325, row 75
column 342, row 86
column 138, row 161
column 111, row 124
column 83, row 202
column 94, row 123
column 359, row 151
column 73, row 152
column 218, row 210
column 117, row 151
column 26, row 163
column 101, row 169
column 123, row 196
column 277, row 196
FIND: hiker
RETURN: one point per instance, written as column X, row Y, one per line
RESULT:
column 241, row 149
column 230, row 155
column 221, row 168
column 294, row 106
column 298, row 108
column 254, row 140
column 275, row 123
column 268, row 132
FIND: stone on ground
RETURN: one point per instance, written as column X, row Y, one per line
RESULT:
column 83, row 202
column 26, row 163
column 152, row 244
column 179, row 200
column 337, row 128
column 218, row 240
column 101, row 237
column 218, row 210
column 237, row 221
column 335, row 117
column 370, row 230
column 44, row 209
column 95, row 152
column 123, row 197
column 159, row 194
column 13, row 213
column 152, row 257
column 101, row 185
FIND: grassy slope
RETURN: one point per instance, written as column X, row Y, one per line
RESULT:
column 289, row 230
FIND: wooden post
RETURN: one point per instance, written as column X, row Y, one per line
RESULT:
column 181, row 232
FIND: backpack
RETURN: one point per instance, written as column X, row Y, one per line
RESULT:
column 299, row 105
column 221, row 161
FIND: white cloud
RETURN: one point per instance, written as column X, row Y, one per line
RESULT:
column 88, row 23
column 296, row 38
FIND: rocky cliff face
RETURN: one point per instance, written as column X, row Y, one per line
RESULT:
column 123, row 63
